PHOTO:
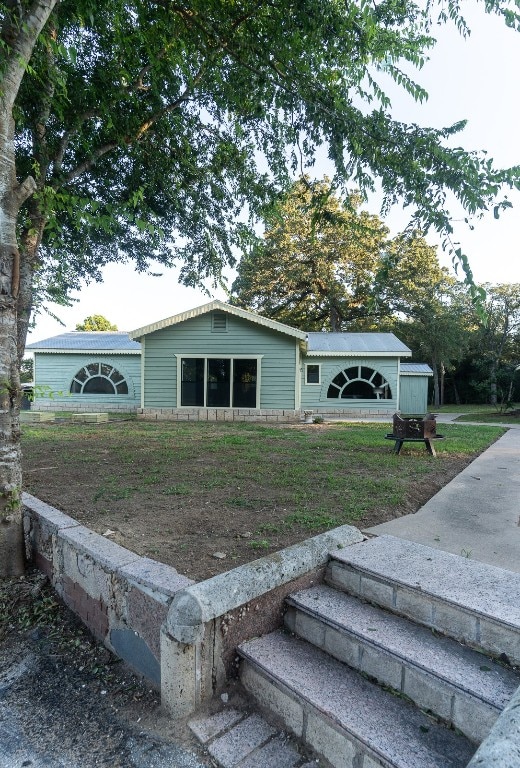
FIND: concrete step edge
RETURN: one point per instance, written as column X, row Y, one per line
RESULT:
column 473, row 708
column 491, row 591
column 465, row 624
column 411, row 651
column 328, row 705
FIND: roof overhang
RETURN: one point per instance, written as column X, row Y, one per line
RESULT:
column 358, row 353
column 64, row 350
column 221, row 306
column 416, row 373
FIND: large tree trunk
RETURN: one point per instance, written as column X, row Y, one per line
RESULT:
column 20, row 31
column 11, row 537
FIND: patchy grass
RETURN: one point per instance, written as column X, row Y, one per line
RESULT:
column 492, row 416
column 179, row 492
column 482, row 412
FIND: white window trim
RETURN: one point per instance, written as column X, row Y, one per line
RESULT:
column 100, row 375
column 313, row 383
column 181, row 356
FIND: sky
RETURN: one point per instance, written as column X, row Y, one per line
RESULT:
column 474, row 79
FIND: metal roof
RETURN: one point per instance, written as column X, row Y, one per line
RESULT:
column 340, row 344
column 221, row 306
column 88, row 341
column 415, row 369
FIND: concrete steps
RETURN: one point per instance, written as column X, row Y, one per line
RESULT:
column 472, row 602
column 345, row 718
column 434, row 700
column 233, row 737
column 463, row 687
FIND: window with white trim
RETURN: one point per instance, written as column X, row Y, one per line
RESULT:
column 98, row 379
column 312, row 373
column 219, row 382
column 359, row 383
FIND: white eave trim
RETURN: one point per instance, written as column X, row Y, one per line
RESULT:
column 222, row 307
column 359, row 353
column 62, row 350
column 416, row 373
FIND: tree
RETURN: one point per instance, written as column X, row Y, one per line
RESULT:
column 499, row 336
column 27, row 370
column 143, row 129
column 96, row 323
column 425, row 306
column 315, row 266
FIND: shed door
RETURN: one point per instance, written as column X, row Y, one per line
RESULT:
column 413, row 397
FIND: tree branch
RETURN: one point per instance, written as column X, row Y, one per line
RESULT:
column 67, row 136
column 86, row 165
column 21, row 48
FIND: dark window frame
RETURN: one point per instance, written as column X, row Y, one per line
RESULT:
column 308, row 366
column 241, row 393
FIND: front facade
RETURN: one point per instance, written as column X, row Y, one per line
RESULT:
column 219, row 362
column 222, row 362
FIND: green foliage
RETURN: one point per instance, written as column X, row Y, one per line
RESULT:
column 496, row 343
column 96, row 323
column 316, row 264
column 323, row 265
column 27, row 370
column 151, row 128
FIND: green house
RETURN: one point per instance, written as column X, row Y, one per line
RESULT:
column 220, row 362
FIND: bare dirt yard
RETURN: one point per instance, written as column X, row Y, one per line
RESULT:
column 206, row 497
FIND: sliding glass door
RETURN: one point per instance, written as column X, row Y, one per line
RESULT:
column 218, row 383
column 222, row 382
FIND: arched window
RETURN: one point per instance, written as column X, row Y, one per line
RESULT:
column 98, row 379
column 359, row 383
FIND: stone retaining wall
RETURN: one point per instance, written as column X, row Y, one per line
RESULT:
column 180, row 635
column 121, row 597
column 207, row 621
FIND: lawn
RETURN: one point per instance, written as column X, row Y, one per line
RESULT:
column 205, row 497
column 487, row 414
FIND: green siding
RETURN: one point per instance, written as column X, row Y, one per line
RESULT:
column 54, row 373
column 314, row 396
column 414, row 394
column 195, row 337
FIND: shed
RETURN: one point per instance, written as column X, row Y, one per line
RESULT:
column 414, row 388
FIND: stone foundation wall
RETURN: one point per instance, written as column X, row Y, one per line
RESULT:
column 220, row 414
column 57, row 405
column 258, row 415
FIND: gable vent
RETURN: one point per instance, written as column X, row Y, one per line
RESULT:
column 219, row 321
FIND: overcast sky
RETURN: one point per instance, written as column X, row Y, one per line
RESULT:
column 476, row 79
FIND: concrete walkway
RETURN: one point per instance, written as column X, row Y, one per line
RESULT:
column 477, row 514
